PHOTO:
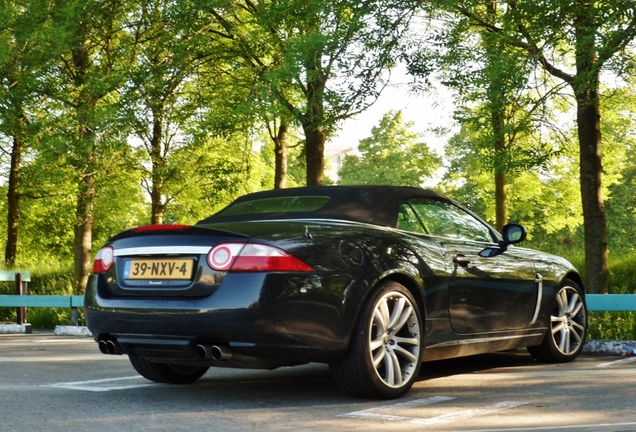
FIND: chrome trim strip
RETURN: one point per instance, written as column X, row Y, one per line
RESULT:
column 163, row 250
column 484, row 339
column 539, row 281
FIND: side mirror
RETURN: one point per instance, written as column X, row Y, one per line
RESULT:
column 514, row 233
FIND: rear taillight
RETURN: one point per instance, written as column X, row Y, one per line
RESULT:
column 103, row 260
column 241, row 257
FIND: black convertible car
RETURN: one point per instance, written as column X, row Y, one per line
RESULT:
column 372, row 280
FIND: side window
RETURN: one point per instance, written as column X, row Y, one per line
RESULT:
column 444, row 219
column 408, row 221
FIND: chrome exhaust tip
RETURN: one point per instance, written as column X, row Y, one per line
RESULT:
column 214, row 352
column 107, row 346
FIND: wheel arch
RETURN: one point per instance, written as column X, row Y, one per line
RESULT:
column 416, row 290
column 575, row 277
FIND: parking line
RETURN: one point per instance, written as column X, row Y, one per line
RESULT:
column 96, row 385
column 375, row 413
column 378, row 413
column 468, row 414
column 622, row 360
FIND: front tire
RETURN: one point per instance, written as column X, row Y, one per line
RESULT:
column 568, row 326
column 167, row 373
column 385, row 352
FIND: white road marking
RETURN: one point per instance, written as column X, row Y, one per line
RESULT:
column 591, row 426
column 101, row 385
column 378, row 413
column 66, row 358
column 622, row 360
column 374, row 413
column 468, row 414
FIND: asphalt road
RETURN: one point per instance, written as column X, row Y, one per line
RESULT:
column 56, row 383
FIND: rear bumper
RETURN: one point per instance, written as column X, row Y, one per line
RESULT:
column 265, row 318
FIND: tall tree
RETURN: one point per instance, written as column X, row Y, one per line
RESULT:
column 393, row 154
column 323, row 60
column 571, row 41
column 160, row 96
column 499, row 104
column 90, row 40
column 22, row 62
column 589, row 35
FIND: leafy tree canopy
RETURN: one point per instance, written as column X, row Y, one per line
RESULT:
column 392, row 155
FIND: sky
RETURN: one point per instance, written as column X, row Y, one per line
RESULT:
column 425, row 111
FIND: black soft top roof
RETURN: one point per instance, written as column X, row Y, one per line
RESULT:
column 377, row 205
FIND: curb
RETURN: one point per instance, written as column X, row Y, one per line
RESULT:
column 616, row 347
column 59, row 330
column 72, row 331
column 15, row 328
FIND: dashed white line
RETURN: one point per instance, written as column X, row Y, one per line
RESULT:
column 98, row 385
column 622, row 360
column 468, row 414
column 378, row 413
column 375, row 413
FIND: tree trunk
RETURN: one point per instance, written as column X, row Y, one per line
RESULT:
column 281, row 141
column 588, row 119
column 13, row 200
column 315, row 156
column 501, row 160
column 588, row 124
column 501, row 200
column 496, row 102
column 83, row 241
column 158, row 161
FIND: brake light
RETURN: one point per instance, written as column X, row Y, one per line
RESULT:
column 241, row 257
column 222, row 256
column 163, row 227
column 103, row 260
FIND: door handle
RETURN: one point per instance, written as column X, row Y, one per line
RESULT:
column 461, row 260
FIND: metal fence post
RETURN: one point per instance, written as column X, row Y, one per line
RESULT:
column 21, row 289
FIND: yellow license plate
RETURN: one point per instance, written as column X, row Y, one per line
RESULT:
column 164, row 268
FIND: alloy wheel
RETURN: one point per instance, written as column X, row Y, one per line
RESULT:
column 394, row 339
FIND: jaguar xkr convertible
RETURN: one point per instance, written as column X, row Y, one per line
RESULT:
column 372, row 280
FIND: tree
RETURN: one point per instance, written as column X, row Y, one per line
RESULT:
column 89, row 41
column 392, row 155
column 545, row 200
column 587, row 37
column 323, row 61
column 22, row 61
column 501, row 108
column 161, row 95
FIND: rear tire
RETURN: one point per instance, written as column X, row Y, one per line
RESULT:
column 385, row 352
column 167, row 373
column 567, row 330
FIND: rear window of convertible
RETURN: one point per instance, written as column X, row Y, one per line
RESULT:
column 276, row 205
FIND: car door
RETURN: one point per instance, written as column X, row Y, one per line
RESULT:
column 486, row 294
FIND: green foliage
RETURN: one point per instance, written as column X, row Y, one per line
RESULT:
column 46, row 279
column 211, row 174
column 392, row 155
column 617, row 325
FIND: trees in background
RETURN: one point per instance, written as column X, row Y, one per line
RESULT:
column 392, row 155
column 322, row 61
column 115, row 113
column 572, row 42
